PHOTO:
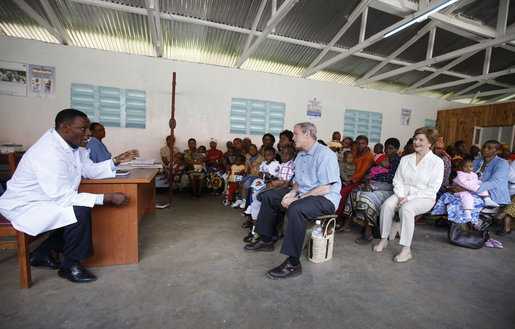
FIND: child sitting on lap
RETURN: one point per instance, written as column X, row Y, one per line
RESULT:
column 347, row 167
column 468, row 179
column 382, row 165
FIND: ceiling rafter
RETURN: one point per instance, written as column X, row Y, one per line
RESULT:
column 397, row 52
column 441, row 70
column 255, row 24
column 466, row 90
column 450, row 55
column 368, row 42
column 352, row 18
column 504, row 92
column 154, row 22
column 272, row 23
column 55, row 21
column 488, row 76
column 40, row 20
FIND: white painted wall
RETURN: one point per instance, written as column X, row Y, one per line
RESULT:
column 203, row 97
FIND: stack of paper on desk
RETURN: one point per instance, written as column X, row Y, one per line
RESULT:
column 141, row 163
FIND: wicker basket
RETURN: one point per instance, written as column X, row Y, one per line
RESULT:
column 321, row 248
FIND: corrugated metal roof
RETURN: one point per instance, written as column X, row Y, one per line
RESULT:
column 216, row 31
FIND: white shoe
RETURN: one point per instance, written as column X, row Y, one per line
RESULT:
column 226, row 203
column 243, row 203
column 236, row 203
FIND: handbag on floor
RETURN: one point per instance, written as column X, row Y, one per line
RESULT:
column 468, row 239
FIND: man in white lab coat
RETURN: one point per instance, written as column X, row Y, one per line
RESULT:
column 42, row 194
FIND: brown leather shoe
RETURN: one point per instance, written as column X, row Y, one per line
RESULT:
column 284, row 271
column 260, row 246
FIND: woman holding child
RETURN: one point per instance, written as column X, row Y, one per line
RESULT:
column 416, row 181
column 492, row 172
column 365, row 203
column 195, row 161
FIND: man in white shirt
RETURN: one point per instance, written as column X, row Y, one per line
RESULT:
column 42, row 194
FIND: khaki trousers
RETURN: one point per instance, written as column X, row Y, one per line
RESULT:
column 407, row 215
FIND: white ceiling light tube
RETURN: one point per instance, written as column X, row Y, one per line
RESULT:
column 420, row 18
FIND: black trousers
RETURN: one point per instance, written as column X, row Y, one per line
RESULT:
column 73, row 240
column 299, row 211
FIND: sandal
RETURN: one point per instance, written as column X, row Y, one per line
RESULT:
column 503, row 232
column 399, row 259
column 377, row 248
column 364, row 239
column 342, row 229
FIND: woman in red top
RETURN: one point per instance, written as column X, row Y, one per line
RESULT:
column 363, row 159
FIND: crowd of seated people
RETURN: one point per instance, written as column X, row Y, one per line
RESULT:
column 455, row 181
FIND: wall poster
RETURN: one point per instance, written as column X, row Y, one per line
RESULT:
column 42, row 80
column 13, row 78
column 314, row 110
column 405, row 117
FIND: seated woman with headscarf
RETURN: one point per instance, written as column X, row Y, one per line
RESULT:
column 365, row 205
column 493, row 173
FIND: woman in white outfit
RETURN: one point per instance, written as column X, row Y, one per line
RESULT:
column 416, row 182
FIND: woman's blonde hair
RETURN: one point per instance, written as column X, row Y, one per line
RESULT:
column 430, row 132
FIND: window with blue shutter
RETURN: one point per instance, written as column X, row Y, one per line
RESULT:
column 256, row 117
column 363, row 123
column 430, row 123
column 112, row 107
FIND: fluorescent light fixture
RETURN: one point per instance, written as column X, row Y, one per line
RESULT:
column 420, row 18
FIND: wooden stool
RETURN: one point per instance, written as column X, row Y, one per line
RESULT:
column 22, row 244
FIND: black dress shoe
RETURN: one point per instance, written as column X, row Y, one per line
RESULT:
column 260, row 246
column 284, row 271
column 45, row 261
column 76, row 273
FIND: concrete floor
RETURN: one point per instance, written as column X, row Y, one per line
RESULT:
column 193, row 273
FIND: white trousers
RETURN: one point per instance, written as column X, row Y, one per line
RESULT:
column 407, row 215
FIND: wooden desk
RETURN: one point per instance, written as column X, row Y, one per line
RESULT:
column 115, row 229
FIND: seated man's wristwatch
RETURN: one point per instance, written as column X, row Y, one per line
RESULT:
column 116, row 162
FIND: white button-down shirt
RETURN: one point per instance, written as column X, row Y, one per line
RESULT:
column 418, row 181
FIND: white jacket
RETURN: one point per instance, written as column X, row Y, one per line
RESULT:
column 43, row 190
column 418, row 181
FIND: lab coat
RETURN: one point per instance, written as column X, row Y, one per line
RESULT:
column 43, row 190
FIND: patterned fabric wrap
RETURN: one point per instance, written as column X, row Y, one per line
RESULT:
column 510, row 209
column 365, row 206
column 451, row 205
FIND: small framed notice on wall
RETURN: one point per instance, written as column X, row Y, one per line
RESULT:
column 13, row 78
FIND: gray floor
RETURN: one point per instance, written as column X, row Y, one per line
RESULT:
column 193, row 273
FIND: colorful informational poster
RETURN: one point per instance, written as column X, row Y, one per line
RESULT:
column 13, row 78
column 314, row 110
column 41, row 81
column 405, row 117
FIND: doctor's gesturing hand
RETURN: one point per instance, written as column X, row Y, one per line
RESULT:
column 125, row 157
